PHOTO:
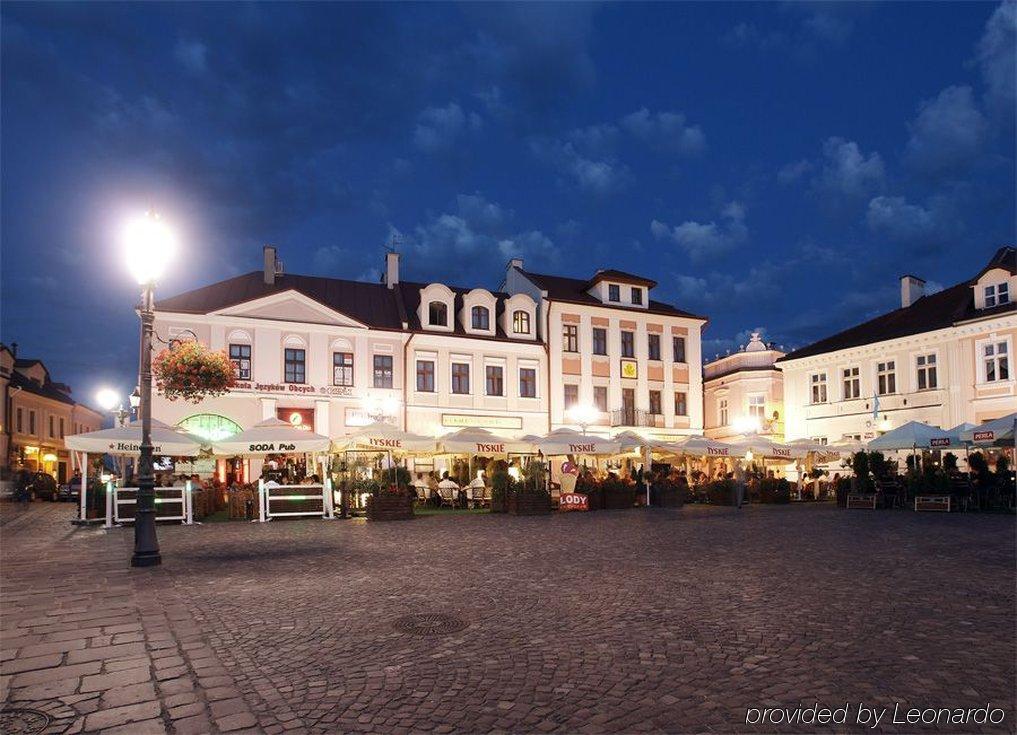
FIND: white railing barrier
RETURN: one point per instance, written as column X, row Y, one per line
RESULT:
column 181, row 504
column 313, row 492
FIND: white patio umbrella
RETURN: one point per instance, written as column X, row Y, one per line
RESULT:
column 271, row 436
column 766, row 448
column 701, row 446
column 568, row 441
column 998, row 432
column 385, row 437
column 912, row 435
column 481, row 442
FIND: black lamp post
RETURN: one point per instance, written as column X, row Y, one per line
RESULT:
column 149, row 246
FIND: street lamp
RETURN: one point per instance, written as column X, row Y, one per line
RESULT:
column 583, row 414
column 135, row 400
column 148, row 247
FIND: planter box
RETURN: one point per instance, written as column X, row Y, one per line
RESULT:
column 859, row 501
column 529, row 504
column 498, row 504
column 939, row 503
column 389, row 507
column 619, row 499
column 666, row 497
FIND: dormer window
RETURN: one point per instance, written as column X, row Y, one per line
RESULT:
column 437, row 314
column 997, row 294
column 637, row 295
column 613, row 292
column 521, row 322
column 481, row 318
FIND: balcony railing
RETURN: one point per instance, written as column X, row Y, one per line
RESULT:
column 636, row 417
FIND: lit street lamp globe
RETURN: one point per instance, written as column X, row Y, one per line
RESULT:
column 107, row 399
column 149, row 245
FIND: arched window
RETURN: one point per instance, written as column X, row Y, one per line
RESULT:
column 481, row 318
column 521, row 322
column 210, row 426
column 437, row 314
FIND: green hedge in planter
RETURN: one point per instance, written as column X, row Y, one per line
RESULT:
column 721, row 492
column 527, row 502
column 774, row 490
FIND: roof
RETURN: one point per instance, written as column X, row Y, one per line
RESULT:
column 46, row 390
column 410, row 292
column 574, row 291
column 610, row 274
column 929, row 313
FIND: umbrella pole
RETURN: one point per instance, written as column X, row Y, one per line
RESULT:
column 83, row 459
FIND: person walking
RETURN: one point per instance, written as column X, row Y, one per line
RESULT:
column 739, row 484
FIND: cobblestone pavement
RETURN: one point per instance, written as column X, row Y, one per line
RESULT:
column 629, row 621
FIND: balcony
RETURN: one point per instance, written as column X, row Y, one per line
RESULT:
column 636, row 417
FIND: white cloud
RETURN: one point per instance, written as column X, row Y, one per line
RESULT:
column 848, row 170
column 703, row 240
column 192, row 55
column 904, row 222
column 439, row 128
column 665, row 130
column 328, row 258
column 948, row 133
column 997, row 50
column 598, row 176
column 792, row 172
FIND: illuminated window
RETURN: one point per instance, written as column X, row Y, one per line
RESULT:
column 757, row 407
column 240, row 356
column 570, row 338
column 210, row 427
column 383, row 371
column 571, row 395
column 342, row 368
column 295, row 366
column 722, row 415
column 818, row 381
column 852, row 387
column 600, row 397
column 886, row 378
column 994, row 360
column 521, row 322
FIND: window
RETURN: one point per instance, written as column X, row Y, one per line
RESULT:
column 655, row 403
column 383, row 371
column 757, row 407
column 997, row 295
column 521, row 322
column 61, row 428
column 21, row 426
column 722, row 412
column 678, row 344
column 637, row 295
column 425, row 376
column 460, row 377
column 599, row 341
column 600, row 397
column 818, row 384
column 852, row 385
column 481, row 317
column 571, row 395
column 570, row 338
column 52, row 428
column 342, row 368
column 495, row 380
column 527, row 383
column 294, row 365
column 628, row 344
column 994, row 358
column 31, row 423
column 437, row 314
column 240, row 356
column 681, row 403
column 613, row 292
column 653, row 346
column 886, row 378
column 927, row 378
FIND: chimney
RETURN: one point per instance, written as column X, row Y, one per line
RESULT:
column 912, row 288
column 272, row 266
column 516, row 263
column 391, row 269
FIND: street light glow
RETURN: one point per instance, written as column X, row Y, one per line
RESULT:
column 747, row 425
column 583, row 414
column 149, row 245
column 107, row 399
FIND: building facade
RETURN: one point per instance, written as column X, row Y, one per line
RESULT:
column 38, row 413
column 744, row 393
column 332, row 354
column 942, row 359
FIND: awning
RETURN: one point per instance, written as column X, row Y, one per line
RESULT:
column 766, row 448
column 384, row 437
column 271, row 436
column 914, row 435
column 481, row 442
column 126, row 440
column 561, row 442
column 998, row 432
column 701, row 446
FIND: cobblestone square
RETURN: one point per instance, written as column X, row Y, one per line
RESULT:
column 632, row 621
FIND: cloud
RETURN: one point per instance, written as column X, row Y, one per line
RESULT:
column 791, row 172
column 996, row 52
column 598, row 176
column 895, row 217
column 440, row 128
column 748, row 34
column 594, row 139
column 847, row 170
column 665, row 130
column 192, row 55
column 329, row 258
column 948, row 133
column 705, row 240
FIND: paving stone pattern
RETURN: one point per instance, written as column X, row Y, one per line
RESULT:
column 666, row 620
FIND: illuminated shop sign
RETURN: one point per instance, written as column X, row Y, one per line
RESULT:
column 482, row 422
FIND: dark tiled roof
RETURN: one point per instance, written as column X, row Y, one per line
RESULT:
column 611, row 274
column 574, row 291
column 46, row 390
column 370, row 303
column 937, row 311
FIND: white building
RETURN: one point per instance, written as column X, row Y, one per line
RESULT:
column 942, row 359
column 333, row 354
column 744, row 392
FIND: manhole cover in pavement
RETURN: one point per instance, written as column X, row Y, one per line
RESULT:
column 430, row 624
column 19, row 721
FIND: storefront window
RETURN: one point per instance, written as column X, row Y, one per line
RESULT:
column 342, row 368
column 383, row 371
column 294, row 366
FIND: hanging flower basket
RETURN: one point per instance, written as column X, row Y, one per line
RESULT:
column 191, row 371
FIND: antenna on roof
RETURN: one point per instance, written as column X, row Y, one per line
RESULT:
column 394, row 241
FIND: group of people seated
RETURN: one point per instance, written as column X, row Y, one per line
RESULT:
column 428, row 488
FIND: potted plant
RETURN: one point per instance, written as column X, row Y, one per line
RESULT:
column 774, row 490
column 501, row 483
column 721, row 492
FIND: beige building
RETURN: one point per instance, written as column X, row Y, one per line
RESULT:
column 942, row 359
column 744, row 393
column 38, row 413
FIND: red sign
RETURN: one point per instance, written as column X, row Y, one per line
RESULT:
column 300, row 418
column 573, row 501
column 984, row 436
column 939, row 442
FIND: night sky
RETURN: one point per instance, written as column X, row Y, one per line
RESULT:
column 773, row 166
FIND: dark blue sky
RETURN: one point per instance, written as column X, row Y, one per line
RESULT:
column 771, row 165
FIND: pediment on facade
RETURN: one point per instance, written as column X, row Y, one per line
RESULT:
column 290, row 306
